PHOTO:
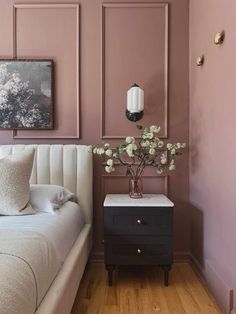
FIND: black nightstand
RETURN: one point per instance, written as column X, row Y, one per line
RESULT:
column 138, row 232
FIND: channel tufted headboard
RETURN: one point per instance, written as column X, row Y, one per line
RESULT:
column 66, row 165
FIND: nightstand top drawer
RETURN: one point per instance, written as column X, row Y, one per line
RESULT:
column 138, row 221
column 148, row 200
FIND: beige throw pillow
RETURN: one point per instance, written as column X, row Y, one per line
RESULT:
column 15, row 171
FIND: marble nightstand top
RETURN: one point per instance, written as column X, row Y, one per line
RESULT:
column 148, row 200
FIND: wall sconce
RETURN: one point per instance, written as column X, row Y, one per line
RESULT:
column 135, row 103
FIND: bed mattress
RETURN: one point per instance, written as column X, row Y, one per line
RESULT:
column 61, row 228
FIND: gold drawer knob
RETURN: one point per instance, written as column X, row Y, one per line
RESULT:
column 139, row 221
column 139, row 251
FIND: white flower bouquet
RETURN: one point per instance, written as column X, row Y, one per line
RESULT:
column 137, row 154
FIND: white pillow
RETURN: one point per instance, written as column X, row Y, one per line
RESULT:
column 15, row 171
column 48, row 197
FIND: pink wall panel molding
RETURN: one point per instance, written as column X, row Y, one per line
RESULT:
column 36, row 52
column 120, row 31
column 158, row 183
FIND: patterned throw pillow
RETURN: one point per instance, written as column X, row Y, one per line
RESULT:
column 15, row 171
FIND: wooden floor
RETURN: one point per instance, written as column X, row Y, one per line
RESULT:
column 140, row 290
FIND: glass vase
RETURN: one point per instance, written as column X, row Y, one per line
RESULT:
column 135, row 188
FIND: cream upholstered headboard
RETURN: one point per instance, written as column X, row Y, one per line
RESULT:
column 66, row 165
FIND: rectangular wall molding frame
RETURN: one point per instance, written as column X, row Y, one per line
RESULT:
column 128, row 6
column 62, row 6
column 165, row 179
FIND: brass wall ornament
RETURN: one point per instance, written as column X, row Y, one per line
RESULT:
column 219, row 38
column 200, row 60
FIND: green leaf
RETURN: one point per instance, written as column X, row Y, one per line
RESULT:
column 140, row 127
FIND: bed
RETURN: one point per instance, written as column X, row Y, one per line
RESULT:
column 70, row 231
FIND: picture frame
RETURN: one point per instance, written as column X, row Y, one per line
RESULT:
column 26, row 94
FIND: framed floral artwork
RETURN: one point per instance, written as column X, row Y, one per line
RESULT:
column 26, row 94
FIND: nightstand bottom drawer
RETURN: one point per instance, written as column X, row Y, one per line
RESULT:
column 138, row 250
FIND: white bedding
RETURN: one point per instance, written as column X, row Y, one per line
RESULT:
column 61, row 228
column 28, row 265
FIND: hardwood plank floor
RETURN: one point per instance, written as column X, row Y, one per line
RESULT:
column 140, row 290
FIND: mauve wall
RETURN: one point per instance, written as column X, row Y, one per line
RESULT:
column 146, row 43
column 212, row 144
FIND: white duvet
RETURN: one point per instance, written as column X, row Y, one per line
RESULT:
column 32, row 250
column 28, row 265
column 61, row 228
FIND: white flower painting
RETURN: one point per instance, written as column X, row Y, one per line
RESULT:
column 26, row 100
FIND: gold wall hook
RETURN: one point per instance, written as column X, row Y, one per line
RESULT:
column 219, row 38
column 200, row 60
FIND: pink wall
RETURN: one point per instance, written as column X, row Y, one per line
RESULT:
column 212, row 144
column 92, row 105
column 94, row 69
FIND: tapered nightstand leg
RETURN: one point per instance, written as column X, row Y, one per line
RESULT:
column 166, row 269
column 110, row 269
